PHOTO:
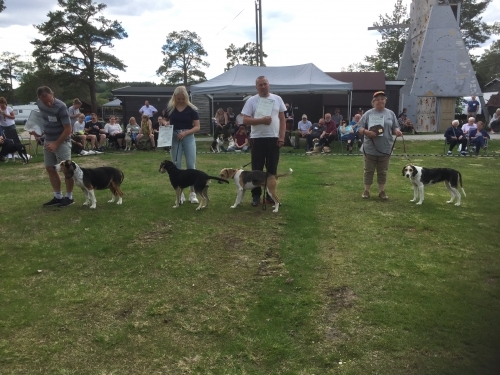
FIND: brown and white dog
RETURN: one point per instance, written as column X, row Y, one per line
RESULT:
column 247, row 180
column 93, row 179
column 316, row 147
column 420, row 176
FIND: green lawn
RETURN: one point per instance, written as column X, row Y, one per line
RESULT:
column 332, row 284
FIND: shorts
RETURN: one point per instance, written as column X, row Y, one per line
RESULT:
column 63, row 152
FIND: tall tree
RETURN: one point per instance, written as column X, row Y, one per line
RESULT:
column 2, row 6
column 11, row 66
column 75, row 39
column 390, row 49
column 474, row 31
column 246, row 55
column 183, row 59
column 488, row 66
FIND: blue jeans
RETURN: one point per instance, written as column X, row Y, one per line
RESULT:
column 188, row 146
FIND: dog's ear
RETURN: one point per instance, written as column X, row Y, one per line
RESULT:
column 403, row 172
column 413, row 171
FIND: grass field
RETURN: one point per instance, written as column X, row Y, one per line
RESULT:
column 332, row 284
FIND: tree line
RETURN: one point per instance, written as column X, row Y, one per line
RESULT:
column 73, row 56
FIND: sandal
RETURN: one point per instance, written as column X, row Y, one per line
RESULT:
column 383, row 195
column 365, row 195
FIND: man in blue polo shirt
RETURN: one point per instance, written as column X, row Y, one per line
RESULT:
column 472, row 107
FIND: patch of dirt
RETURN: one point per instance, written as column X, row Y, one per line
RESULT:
column 338, row 299
column 159, row 232
column 271, row 265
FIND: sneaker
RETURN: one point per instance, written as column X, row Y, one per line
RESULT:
column 463, row 153
column 66, row 202
column 365, row 195
column 183, row 198
column 53, row 202
column 192, row 198
column 449, row 153
column 255, row 200
column 382, row 195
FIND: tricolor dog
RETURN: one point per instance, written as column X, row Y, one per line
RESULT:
column 420, row 176
column 247, row 180
column 217, row 144
column 90, row 179
column 316, row 147
column 182, row 178
column 128, row 140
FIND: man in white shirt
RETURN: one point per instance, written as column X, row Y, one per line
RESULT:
column 149, row 110
column 74, row 111
column 268, row 131
column 302, row 130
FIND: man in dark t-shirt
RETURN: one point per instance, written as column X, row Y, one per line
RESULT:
column 96, row 129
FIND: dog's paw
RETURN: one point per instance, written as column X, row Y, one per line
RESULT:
column 413, row 200
column 419, row 203
column 86, row 203
column 119, row 202
column 111, row 201
column 93, row 206
column 233, row 206
column 451, row 201
column 457, row 204
column 175, row 206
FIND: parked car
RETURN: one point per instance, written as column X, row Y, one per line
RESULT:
column 22, row 112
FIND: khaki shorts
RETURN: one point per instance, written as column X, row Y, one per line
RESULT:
column 378, row 163
column 63, row 152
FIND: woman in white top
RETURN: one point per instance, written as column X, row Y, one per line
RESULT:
column 7, row 116
column 114, row 132
column 78, row 132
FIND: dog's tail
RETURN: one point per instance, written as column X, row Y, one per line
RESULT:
column 218, row 179
column 285, row 174
column 461, row 186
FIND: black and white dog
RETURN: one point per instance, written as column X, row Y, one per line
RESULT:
column 12, row 148
column 90, row 179
column 183, row 178
column 421, row 176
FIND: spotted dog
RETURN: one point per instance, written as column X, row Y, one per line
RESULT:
column 90, row 179
column 128, row 140
column 421, row 176
column 247, row 180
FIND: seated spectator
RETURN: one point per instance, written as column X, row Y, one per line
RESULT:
column 302, row 130
column 347, row 135
column 231, row 121
column 79, row 132
column 222, row 124
column 156, row 128
column 468, row 126
column 354, row 124
column 96, row 128
column 455, row 136
column 240, row 140
column 405, row 124
column 315, row 131
column 330, row 132
column 478, row 137
column 114, row 132
column 146, row 130
column 495, row 122
column 134, row 129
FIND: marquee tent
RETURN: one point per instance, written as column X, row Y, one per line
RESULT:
column 298, row 79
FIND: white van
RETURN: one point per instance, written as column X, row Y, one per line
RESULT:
column 22, row 112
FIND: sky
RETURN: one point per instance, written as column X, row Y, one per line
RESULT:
column 329, row 34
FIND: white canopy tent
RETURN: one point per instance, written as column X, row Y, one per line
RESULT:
column 298, row 79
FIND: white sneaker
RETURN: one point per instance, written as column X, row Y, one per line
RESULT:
column 183, row 198
column 192, row 198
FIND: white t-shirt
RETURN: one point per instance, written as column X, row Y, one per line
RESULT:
column 73, row 111
column 264, row 131
column 78, row 127
column 148, row 110
column 4, row 121
column 110, row 129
